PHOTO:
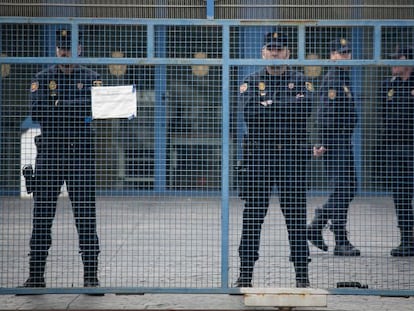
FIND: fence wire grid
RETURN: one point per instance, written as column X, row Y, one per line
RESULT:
column 162, row 186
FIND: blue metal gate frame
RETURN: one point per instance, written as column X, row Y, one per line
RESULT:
column 225, row 62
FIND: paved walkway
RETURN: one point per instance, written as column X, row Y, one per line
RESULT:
column 189, row 302
column 175, row 243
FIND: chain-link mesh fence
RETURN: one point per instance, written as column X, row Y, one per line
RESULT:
column 164, row 183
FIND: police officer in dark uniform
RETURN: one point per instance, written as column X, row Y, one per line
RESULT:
column 398, row 113
column 276, row 109
column 61, row 104
column 336, row 119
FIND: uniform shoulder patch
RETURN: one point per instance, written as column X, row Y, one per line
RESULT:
column 390, row 94
column 347, row 91
column 52, row 85
column 332, row 94
column 261, row 86
column 34, row 86
column 309, row 86
column 243, row 88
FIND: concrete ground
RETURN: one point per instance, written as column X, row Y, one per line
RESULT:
column 176, row 242
column 190, row 302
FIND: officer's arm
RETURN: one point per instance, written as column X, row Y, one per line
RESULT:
column 326, row 108
column 385, row 130
column 309, row 101
column 39, row 107
column 248, row 102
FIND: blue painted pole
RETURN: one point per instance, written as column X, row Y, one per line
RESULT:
column 356, row 78
column 210, row 9
column 160, row 114
column 225, row 159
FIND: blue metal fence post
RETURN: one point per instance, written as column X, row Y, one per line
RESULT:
column 1, row 91
column 225, row 158
column 160, row 113
column 210, row 9
column 356, row 80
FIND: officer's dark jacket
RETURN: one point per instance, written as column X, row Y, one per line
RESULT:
column 398, row 112
column 276, row 108
column 61, row 103
column 336, row 116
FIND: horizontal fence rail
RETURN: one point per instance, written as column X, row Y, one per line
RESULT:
column 211, row 9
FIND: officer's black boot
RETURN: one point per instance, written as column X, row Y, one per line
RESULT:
column 90, row 270
column 36, row 273
column 342, row 245
column 245, row 277
column 406, row 248
column 302, row 274
column 90, row 278
column 314, row 230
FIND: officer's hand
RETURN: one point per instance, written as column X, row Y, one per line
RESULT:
column 318, row 150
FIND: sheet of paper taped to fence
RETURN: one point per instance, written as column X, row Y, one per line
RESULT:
column 114, row 102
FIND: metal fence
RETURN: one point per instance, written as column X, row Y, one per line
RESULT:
column 168, row 212
column 213, row 9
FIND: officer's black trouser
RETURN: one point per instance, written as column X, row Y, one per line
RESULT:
column 340, row 166
column 402, row 178
column 75, row 165
column 286, row 169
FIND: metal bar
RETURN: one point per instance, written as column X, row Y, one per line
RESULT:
column 225, row 160
column 160, row 116
column 217, row 62
column 210, row 9
column 301, row 42
column 255, row 5
column 235, row 22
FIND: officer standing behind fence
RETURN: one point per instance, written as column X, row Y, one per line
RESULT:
column 276, row 109
column 336, row 119
column 398, row 113
column 61, row 104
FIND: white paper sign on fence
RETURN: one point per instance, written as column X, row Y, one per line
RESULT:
column 110, row 102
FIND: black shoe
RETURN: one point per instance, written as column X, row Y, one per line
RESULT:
column 91, row 282
column 403, row 250
column 32, row 282
column 314, row 235
column 302, row 274
column 314, row 229
column 346, row 249
column 241, row 282
column 302, row 283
